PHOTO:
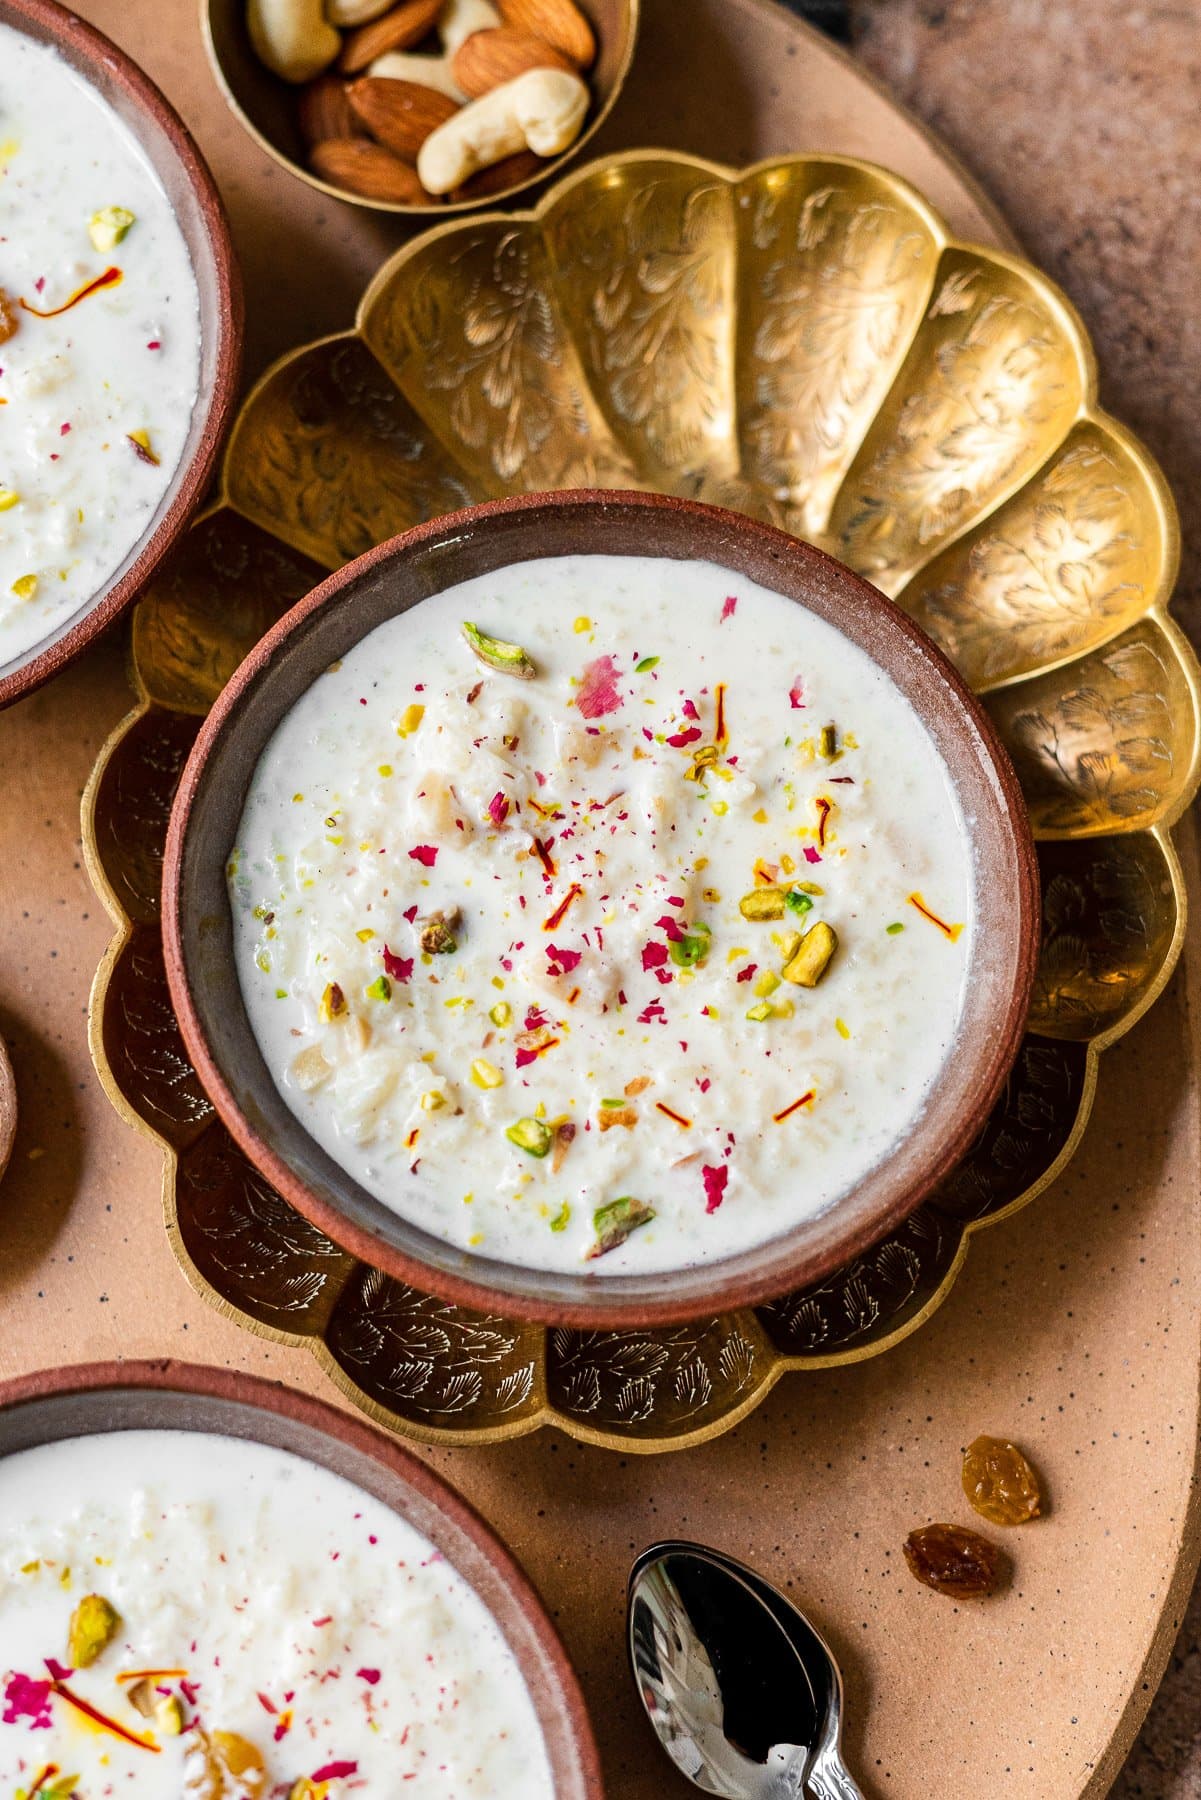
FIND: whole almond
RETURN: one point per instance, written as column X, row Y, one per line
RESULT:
column 324, row 111
column 560, row 22
column 367, row 169
column 488, row 58
column 399, row 29
column 509, row 172
column 399, row 114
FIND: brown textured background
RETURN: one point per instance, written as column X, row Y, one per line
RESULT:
column 1083, row 120
column 1074, row 1326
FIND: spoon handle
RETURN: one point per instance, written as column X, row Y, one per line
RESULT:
column 829, row 1779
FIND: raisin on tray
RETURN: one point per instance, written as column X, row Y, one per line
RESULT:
column 952, row 1560
column 999, row 1482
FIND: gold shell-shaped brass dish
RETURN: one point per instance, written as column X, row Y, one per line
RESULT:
column 804, row 341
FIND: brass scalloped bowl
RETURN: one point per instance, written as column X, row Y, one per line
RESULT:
column 806, row 342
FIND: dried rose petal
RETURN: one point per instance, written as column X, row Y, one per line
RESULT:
column 715, row 1186
column 597, row 693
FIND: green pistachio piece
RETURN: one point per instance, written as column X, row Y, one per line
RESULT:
column 531, row 1135
column 107, row 227
column 813, row 958
column 798, row 902
column 438, row 932
column 690, row 949
column 380, row 989
column 614, row 1222
column 94, row 1625
column 507, row 659
column 827, row 743
column 561, row 1218
column 762, row 903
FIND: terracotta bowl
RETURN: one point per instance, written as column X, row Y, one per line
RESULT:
column 66, row 1403
column 192, row 192
column 198, row 926
column 267, row 106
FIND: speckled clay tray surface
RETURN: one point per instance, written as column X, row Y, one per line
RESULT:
column 1073, row 1327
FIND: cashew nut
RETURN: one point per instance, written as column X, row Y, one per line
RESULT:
column 348, row 13
column 460, row 19
column 293, row 37
column 427, row 71
column 542, row 111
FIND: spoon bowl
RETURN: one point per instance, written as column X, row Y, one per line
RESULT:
column 741, row 1691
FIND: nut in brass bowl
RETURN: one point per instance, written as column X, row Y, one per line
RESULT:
column 268, row 107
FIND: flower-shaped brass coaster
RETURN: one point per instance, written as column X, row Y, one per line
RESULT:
column 803, row 341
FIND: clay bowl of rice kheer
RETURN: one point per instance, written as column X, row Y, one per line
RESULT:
column 600, row 908
column 120, row 335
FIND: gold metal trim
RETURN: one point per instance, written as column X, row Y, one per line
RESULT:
column 1055, row 545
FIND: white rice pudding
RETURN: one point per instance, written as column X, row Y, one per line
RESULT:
column 536, row 958
column 96, row 400
column 278, row 1633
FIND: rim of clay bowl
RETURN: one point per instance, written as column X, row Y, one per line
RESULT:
column 193, row 195
column 198, row 932
column 226, row 19
column 52, row 1405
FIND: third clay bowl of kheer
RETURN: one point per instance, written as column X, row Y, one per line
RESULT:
column 600, row 908
column 120, row 335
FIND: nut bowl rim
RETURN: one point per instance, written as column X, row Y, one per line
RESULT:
column 436, row 211
column 93, row 55
column 47, row 1405
column 807, row 1251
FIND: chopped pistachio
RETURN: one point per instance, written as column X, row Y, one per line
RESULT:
column 333, row 1004
column 614, row 1222
column 813, row 958
column 508, row 659
column 432, row 1100
column 561, row 1218
column 380, row 989
column 766, row 982
column 788, row 943
column 9, row 498
column 764, row 1010
column 438, row 932
column 310, row 1069
column 94, row 1624
column 797, row 901
column 410, row 719
column 893, row 929
column 648, row 662
column 762, row 903
column 141, row 1697
column 827, row 742
column 25, row 587
column 486, row 1074
column 532, row 1136
column 690, row 949
column 107, row 227
column 702, row 760
column 140, row 440
column 501, row 1013
column 168, row 1715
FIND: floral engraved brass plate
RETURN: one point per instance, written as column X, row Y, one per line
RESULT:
column 803, row 341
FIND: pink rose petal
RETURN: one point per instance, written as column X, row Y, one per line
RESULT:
column 597, row 693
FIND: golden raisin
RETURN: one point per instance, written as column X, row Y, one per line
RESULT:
column 952, row 1560
column 999, row 1482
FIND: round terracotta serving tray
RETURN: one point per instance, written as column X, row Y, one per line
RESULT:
column 57, row 1405
column 807, row 342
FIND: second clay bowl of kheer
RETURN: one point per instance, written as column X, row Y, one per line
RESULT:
column 120, row 335
column 600, row 908
column 216, row 1587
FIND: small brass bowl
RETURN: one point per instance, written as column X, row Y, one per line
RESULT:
column 267, row 106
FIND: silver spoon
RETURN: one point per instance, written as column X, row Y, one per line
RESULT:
column 741, row 1691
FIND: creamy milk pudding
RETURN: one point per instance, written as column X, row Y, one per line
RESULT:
column 625, row 942
column 99, row 343
column 186, row 1615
